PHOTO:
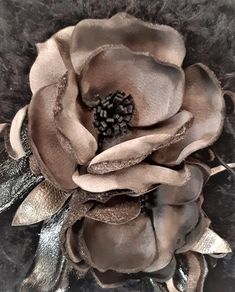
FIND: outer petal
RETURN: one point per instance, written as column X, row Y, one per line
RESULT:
column 160, row 41
column 191, row 274
column 138, row 178
column 53, row 59
column 179, row 195
column 13, row 143
column 55, row 164
column 172, row 224
column 210, row 243
column 71, row 120
column 141, row 145
column 204, row 99
column 43, row 202
column 127, row 248
column 157, row 88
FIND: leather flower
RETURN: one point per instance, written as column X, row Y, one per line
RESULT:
column 113, row 123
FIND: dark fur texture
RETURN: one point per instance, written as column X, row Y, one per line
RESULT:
column 208, row 27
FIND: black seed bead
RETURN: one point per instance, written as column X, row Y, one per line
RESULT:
column 113, row 113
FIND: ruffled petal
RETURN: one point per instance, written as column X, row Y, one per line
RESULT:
column 211, row 243
column 116, row 211
column 55, row 163
column 143, row 143
column 13, row 142
column 160, row 41
column 43, row 202
column 172, row 224
column 138, row 178
column 179, row 195
column 127, row 247
column 49, row 271
column 71, row 120
column 204, row 99
column 53, row 60
column 157, row 88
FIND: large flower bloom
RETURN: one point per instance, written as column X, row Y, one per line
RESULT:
column 114, row 121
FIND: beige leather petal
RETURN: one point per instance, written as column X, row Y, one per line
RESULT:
column 142, row 144
column 157, row 88
column 55, row 163
column 138, row 178
column 71, row 120
column 160, row 41
column 118, row 210
column 210, row 243
column 52, row 61
column 127, row 247
column 14, row 145
column 204, row 99
column 178, row 195
column 40, row 204
column 172, row 224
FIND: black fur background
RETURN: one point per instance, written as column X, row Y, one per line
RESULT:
column 208, row 27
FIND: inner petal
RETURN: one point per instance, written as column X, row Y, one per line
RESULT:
column 157, row 88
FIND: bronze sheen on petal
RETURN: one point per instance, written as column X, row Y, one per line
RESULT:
column 113, row 126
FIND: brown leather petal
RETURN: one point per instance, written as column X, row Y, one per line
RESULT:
column 13, row 144
column 110, row 279
column 178, row 195
column 53, row 59
column 118, row 210
column 143, row 143
column 138, row 178
column 55, row 164
column 160, row 41
column 157, row 88
column 127, row 247
column 204, row 99
column 40, row 204
column 71, row 120
column 197, row 271
column 172, row 224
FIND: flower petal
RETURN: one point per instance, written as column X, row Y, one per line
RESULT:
column 172, row 224
column 110, row 279
column 204, row 99
column 127, row 247
column 143, row 143
column 52, row 61
column 138, row 178
column 157, row 88
column 49, row 271
column 13, row 143
column 190, row 275
column 71, row 123
column 160, row 41
column 210, row 243
column 178, row 195
column 55, row 164
column 43, row 202
column 118, row 210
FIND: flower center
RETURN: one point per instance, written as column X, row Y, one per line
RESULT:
column 113, row 114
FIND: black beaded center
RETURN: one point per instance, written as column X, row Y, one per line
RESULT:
column 113, row 114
